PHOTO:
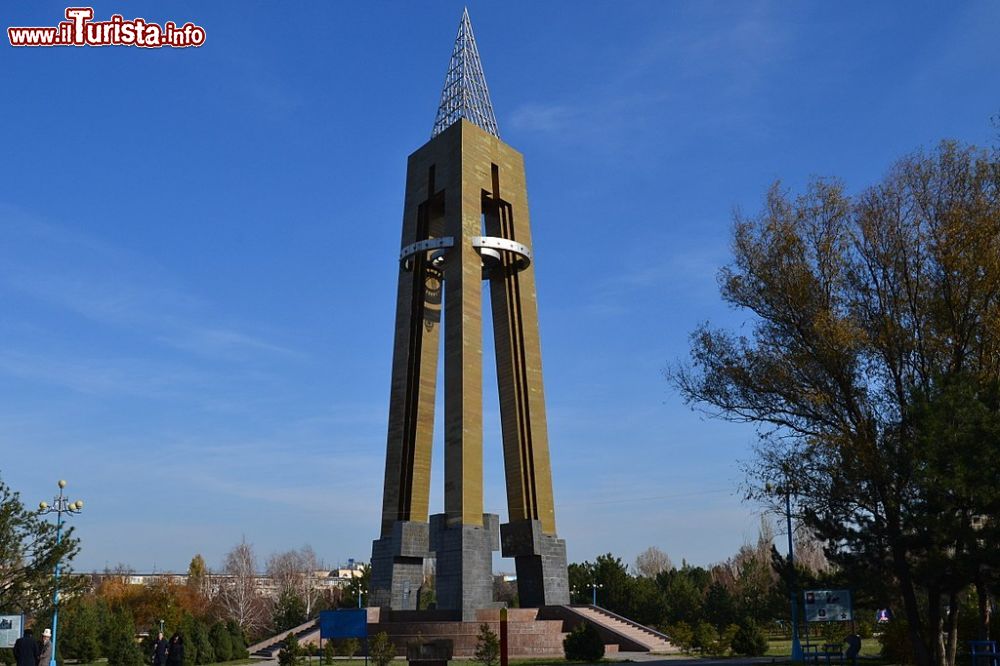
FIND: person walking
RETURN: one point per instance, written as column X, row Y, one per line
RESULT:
column 26, row 649
column 175, row 650
column 160, row 650
column 45, row 649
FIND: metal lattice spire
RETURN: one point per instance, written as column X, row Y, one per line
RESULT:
column 465, row 94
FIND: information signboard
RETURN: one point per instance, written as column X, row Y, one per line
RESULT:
column 11, row 628
column 343, row 624
column 828, row 606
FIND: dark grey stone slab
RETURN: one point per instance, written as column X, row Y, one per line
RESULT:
column 398, row 566
column 464, row 567
column 540, row 561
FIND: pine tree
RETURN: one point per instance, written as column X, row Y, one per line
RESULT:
column 238, row 641
column 222, row 643
column 289, row 612
column 122, row 648
column 381, row 649
column 290, row 653
column 80, row 630
column 202, row 645
column 487, row 647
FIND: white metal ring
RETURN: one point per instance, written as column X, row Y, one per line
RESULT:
column 424, row 245
column 484, row 245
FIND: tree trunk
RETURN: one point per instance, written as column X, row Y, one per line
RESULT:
column 952, row 628
column 934, row 625
column 921, row 653
column 983, row 596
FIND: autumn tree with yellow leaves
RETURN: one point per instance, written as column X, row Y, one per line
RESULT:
column 871, row 366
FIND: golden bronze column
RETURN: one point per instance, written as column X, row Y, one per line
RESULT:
column 465, row 220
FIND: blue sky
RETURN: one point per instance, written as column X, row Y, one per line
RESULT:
column 198, row 247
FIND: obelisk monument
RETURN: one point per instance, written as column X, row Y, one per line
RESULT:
column 465, row 220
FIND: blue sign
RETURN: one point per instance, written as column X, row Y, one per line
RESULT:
column 343, row 623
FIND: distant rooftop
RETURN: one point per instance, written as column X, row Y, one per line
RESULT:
column 465, row 94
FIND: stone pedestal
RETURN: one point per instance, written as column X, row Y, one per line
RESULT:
column 398, row 566
column 529, row 635
column 464, row 569
column 540, row 561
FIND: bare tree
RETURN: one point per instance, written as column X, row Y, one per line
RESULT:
column 809, row 552
column 751, row 572
column 238, row 593
column 294, row 571
column 652, row 561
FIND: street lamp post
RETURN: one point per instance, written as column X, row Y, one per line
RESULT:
column 60, row 505
column 796, row 645
column 593, row 589
column 797, row 655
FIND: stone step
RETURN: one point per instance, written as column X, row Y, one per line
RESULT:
column 627, row 629
column 269, row 646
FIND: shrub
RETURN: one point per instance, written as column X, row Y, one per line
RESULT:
column 329, row 651
column 381, row 650
column 864, row 624
column 830, row 632
column 705, row 637
column 895, row 639
column 348, row 647
column 584, row 643
column 726, row 638
column 750, row 640
column 712, row 641
column 488, row 647
column 290, row 653
column 681, row 634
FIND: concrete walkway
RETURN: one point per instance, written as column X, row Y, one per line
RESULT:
column 648, row 659
column 644, row 658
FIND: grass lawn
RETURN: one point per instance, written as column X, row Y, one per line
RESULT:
column 237, row 662
column 360, row 661
column 342, row 661
column 870, row 647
